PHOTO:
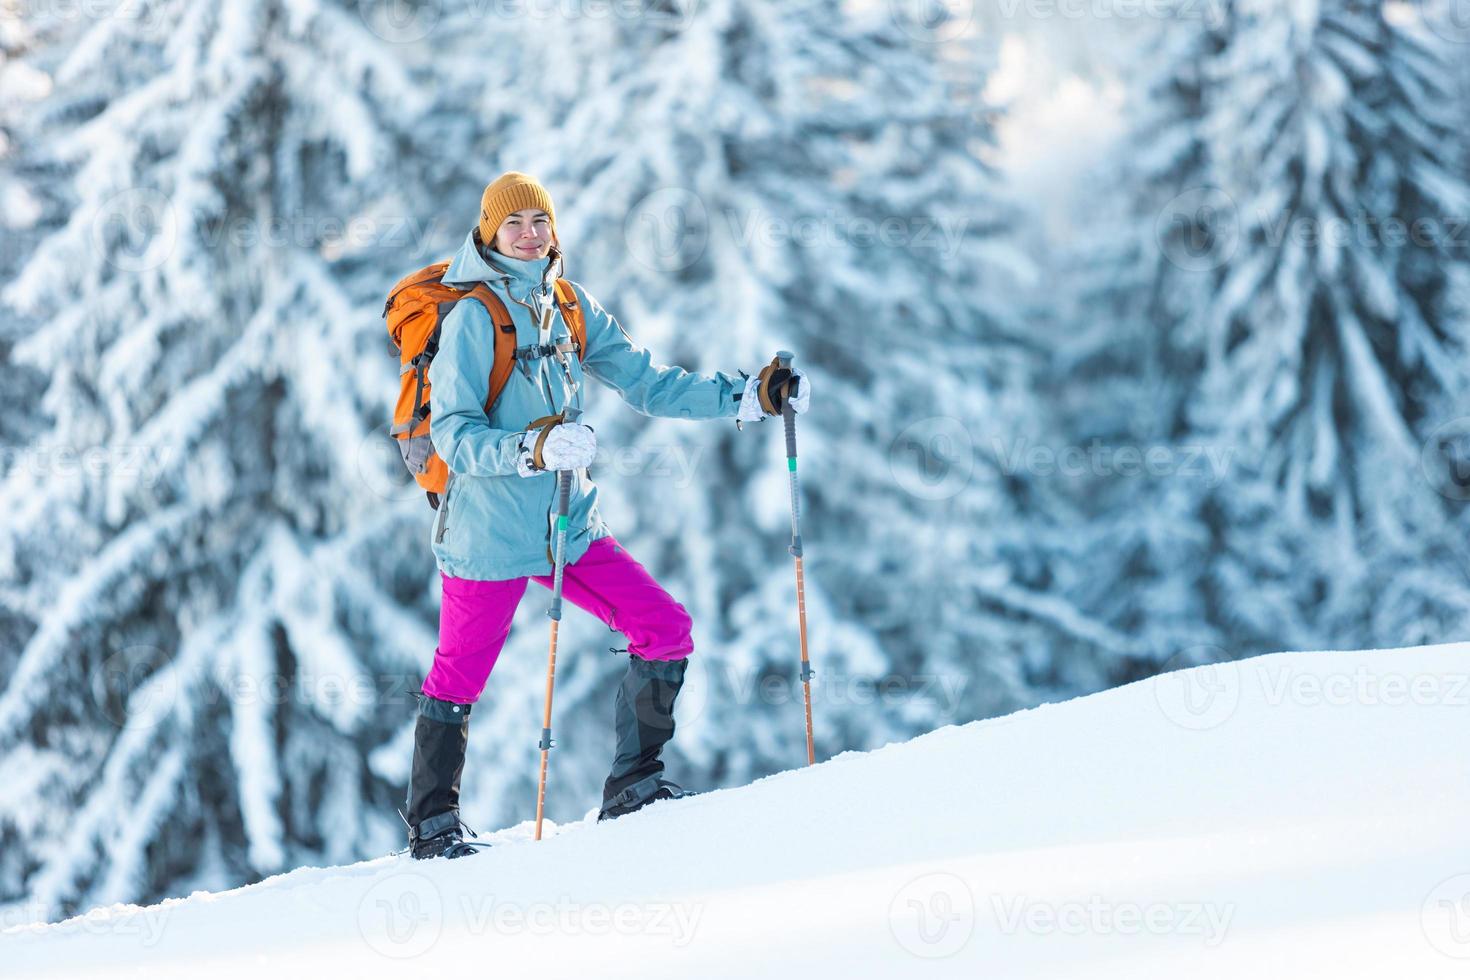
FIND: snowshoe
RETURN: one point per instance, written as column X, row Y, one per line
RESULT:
column 639, row 795
column 442, row 836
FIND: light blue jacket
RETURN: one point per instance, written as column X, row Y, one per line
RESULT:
column 492, row 523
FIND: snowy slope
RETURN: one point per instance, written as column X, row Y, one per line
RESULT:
column 1300, row 815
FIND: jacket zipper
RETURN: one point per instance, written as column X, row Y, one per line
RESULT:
column 444, row 511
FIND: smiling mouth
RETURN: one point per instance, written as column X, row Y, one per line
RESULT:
column 529, row 248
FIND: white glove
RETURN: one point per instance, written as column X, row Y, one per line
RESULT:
column 803, row 397
column 568, row 446
column 750, row 400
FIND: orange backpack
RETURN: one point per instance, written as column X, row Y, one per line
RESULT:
column 415, row 312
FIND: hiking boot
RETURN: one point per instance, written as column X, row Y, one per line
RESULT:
column 439, row 739
column 643, row 720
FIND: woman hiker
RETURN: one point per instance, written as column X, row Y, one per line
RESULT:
column 493, row 525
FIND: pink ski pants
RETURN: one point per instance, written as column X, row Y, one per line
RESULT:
column 475, row 617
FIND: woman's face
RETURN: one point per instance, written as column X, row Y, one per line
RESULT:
column 525, row 235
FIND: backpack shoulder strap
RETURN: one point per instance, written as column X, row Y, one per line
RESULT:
column 505, row 340
column 571, row 312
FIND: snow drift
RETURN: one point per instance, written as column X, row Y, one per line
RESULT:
column 1297, row 815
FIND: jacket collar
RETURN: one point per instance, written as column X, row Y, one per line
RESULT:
column 523, row 275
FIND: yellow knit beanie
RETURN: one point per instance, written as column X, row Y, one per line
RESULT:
column 508, row 193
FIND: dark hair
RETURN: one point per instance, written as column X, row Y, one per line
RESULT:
column 480, row 245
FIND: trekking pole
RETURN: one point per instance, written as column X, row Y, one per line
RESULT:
column 563, row 504
column 783, row 359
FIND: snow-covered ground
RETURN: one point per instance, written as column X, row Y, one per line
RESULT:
column 1299, row 815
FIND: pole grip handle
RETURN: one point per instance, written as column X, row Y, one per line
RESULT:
column 784, row 359
column 559, row 541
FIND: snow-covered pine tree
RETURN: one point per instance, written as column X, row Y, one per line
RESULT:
column 211, row 593
column 1126, row 353
column 21, row 85
column 1310, row 337
column 1332, row 346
